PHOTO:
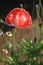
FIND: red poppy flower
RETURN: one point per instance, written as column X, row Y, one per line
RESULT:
column 19, row 18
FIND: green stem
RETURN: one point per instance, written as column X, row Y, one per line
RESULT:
column 14, row 33
column 20, row 39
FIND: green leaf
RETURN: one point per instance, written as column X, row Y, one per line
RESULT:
column 8, row 45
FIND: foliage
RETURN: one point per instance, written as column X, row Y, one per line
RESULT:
column 32, row 50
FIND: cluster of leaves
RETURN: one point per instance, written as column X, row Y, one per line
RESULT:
column 27, row 48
